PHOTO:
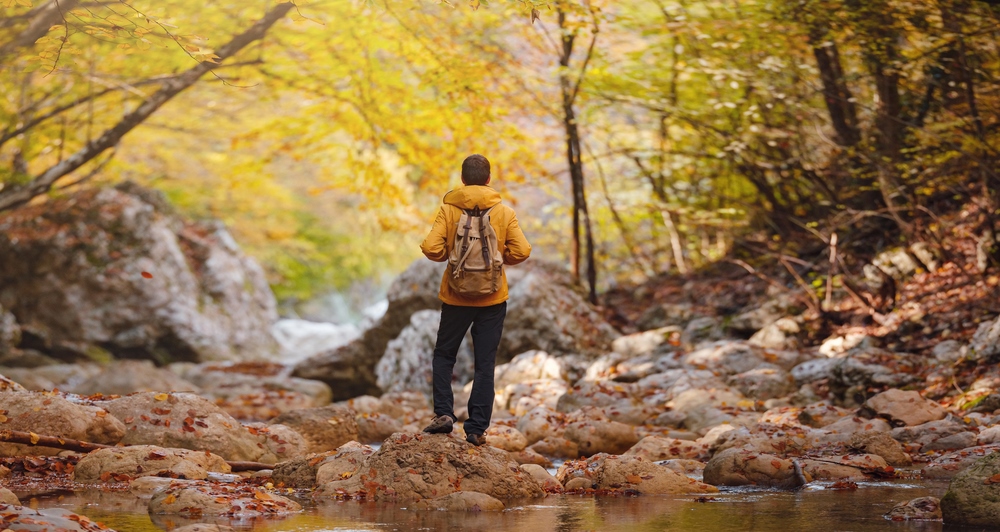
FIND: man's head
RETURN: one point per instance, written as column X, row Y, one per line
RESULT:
column 476, row 170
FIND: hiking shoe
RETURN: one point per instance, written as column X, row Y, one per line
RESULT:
column 476, row 439
column 440, row 425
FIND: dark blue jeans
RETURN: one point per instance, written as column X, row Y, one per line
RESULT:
column 487, row 326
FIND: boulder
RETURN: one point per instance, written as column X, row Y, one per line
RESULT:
column 462, row 501
column 777, row 335
column 556, row 447
column 742, row 467
column 597, row 436
column 300, row 472
column 598, row 394
column 727, row 357
column 846, row 428
column 656, row 448
column 665, row 315
column 204, row 527
column 50, row 414
column 61, row 376
column 185, row 421
column 506, row 438
column 950, row 464
column 530, row 456
column 129, row 376
column 944, row 434
column 529, row 366
column 197, row 499
column 324, row 428
column 543, row 477
column 860, row 367
column 376, row 427
column 301, row 339
column 904, row 408
column 406, row 364
column 130, row 277
column 8, row 385
column 10, row 333
column 539, row 423
column 146, row 460
column 880, row 444
column 279, row 442
column 8, row 497
column 627, row 473
column 522, row 397
column 919, row 509
column 25, row 519
column 845, row 467
column 973, row 497
column 763, row 383
column 256, row 391
column 426, row 466
column 985, row 342
column 768, row 439
column 343, row 463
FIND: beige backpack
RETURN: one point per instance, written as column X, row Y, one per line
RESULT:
column 475, row 262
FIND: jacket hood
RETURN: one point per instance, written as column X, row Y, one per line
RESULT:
column 471, row 196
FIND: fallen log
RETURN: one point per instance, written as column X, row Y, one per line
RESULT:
column 69, row 444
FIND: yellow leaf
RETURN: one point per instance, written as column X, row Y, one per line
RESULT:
column 347, row 474
column 161, row 397
column 34, row 438
column 191, row 48
column 25, row 3
column 262, row 496
column 170, row 499
column 3, row 418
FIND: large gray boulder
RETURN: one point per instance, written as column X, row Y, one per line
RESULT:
column 116, row 270
column 406, row 364
column 973, row 497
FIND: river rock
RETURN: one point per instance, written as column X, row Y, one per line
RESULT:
column 146, row 460
column 8, row 385
column 280, row 442
column 639, row 474
column 828, row 470
column 763, row 383
column 843, row 430
column 944, row 434
column 656, row 448
column 50, row 414
column 376, row 427
column 665, row 386
column 777, row 335
column 742, row 467
column 529, row 366
column 201, row 298
column 919, row 509
column 186, row 421
column 647, row 342
column 985, row 342
column 973, row 497
column 556, row 447
column 324, row 428
column 343, row 463
column 22, row 518
column 406, row 364
column 597, row 436
column 768, row 439
column 8, row 497
column 950, row 464
column 129, row 376
column 820, row 415
column 196, row 499
column 50, row 377
column 665, row 315
column 904, row 408
column 727, row 357
column 530, row 456
column 543, row 477
column 204, row 527
column 506, row 438
column 539, row 423
column 426, row 466
column 522, row 397
column 861, row 367
column 462, row 501
column 881, row 444
column 301, row 472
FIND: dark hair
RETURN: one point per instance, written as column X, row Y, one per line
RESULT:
column 475, row 170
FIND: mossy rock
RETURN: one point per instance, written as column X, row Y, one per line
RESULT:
column 973, row 497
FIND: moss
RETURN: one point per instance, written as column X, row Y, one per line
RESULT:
column 99, row 354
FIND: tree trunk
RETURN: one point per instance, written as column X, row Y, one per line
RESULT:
column 12, row 196
column 44, row 18
column 843, row 114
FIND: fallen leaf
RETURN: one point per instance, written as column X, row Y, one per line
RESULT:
column 34, row 438
column 161, row 397
column 146, row 275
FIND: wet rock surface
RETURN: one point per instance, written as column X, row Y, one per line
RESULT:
column 195, row 499
column 32, row 411
column 126, row 463
column 973, row 497
column 52, row 519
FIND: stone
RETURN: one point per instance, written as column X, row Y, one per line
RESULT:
column 904, row 408
column 62, row 376
column 376, row 427
column 22, row 518
column 944, row 434
column 10, row 332
column 506, row 438
column 8, row 497
column 701, row 330
column 727, row 357
column 85, row 254
column 279, row 442
column 827, row 470
column 777, row 335
column 742, row 467
column 146, row 460
column 346, row 461
column 198, row 499
column 919, row 509
column 539, row 423
column 528, row 366
column 145, row 487
column 762, row 384
column 819, row 415
column 948, row 351
column 656, row 448
column 645, row 477
column 665, row 315
column 844, row 430
column 129, row 376
column 8, row 385
column 204, row 527
column 985, row 342
column 462, row 501
column 185, row 421
column 324, row 428
column 950, row 464
column 646, row 342
column 256, row 391
column 543, row 477
column 427, row 466
column 973, row 496
column 406, row 364
column 301, row 339
column 860, row 367
column 556, row 447
column 522, row 397
column 596, row 436
column 55, row 416
column 881, row 444
column 530, row 456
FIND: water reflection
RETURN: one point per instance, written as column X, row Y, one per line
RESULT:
column 738, row 510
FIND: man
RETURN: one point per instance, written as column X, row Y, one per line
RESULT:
column 484, row 312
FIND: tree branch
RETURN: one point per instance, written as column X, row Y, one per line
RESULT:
column 44, row 18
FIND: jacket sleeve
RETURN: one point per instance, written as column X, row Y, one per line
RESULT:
column 516, row 248
column 435, row 245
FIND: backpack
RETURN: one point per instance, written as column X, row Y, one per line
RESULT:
column 475, row 261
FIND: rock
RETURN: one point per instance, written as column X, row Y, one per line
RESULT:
column 701, row 330
column 703, row 407
column 528, row 366
column 646, row 342
column 985, row 342
column 376, row 427
column 146, row 460
column 742, row 467
column 300, row 472
column 556, row 447
column 904, row 408
column 665, row 386
column 860, row 368
column 751, row 321
column 324, row 428
column 944, row 434
column 665, row 315
column 597, row 394
column 639, row 474
column 506, row 438
column 426, row 466
column 145, row 487
column 185, row 421
column 880, row 444
column 279, row 442
column 197, row 499
column 919, row 509
column 529, row 456
column 972, row 498
column 462, row 501
column 989, row 435
column 819, row 415
column 55, row 416
column 777, row 335
column 948, row 352
column 84, row 254
column 684, row 467
column 346, row 461
column 25, row 519
column 763, row 383
column 523, row 397
column 10, row 332
column 540, row 422
column 8, row 497
column 62, row 376
column 727, row 357
column 950, row 464
column 596, row 436
column 254, row 391
column 8, row 385
column 406, row 364
column 204, row 527
column 349, row 370
column 844, row 430
column 543, row 477
column 829, row 470
column 656, row 448
column 129, row 376
column 301, row 339
column 768, row 439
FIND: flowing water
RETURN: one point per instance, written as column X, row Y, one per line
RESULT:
column 815, row 507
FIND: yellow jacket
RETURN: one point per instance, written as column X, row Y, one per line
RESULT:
column 441, row 239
